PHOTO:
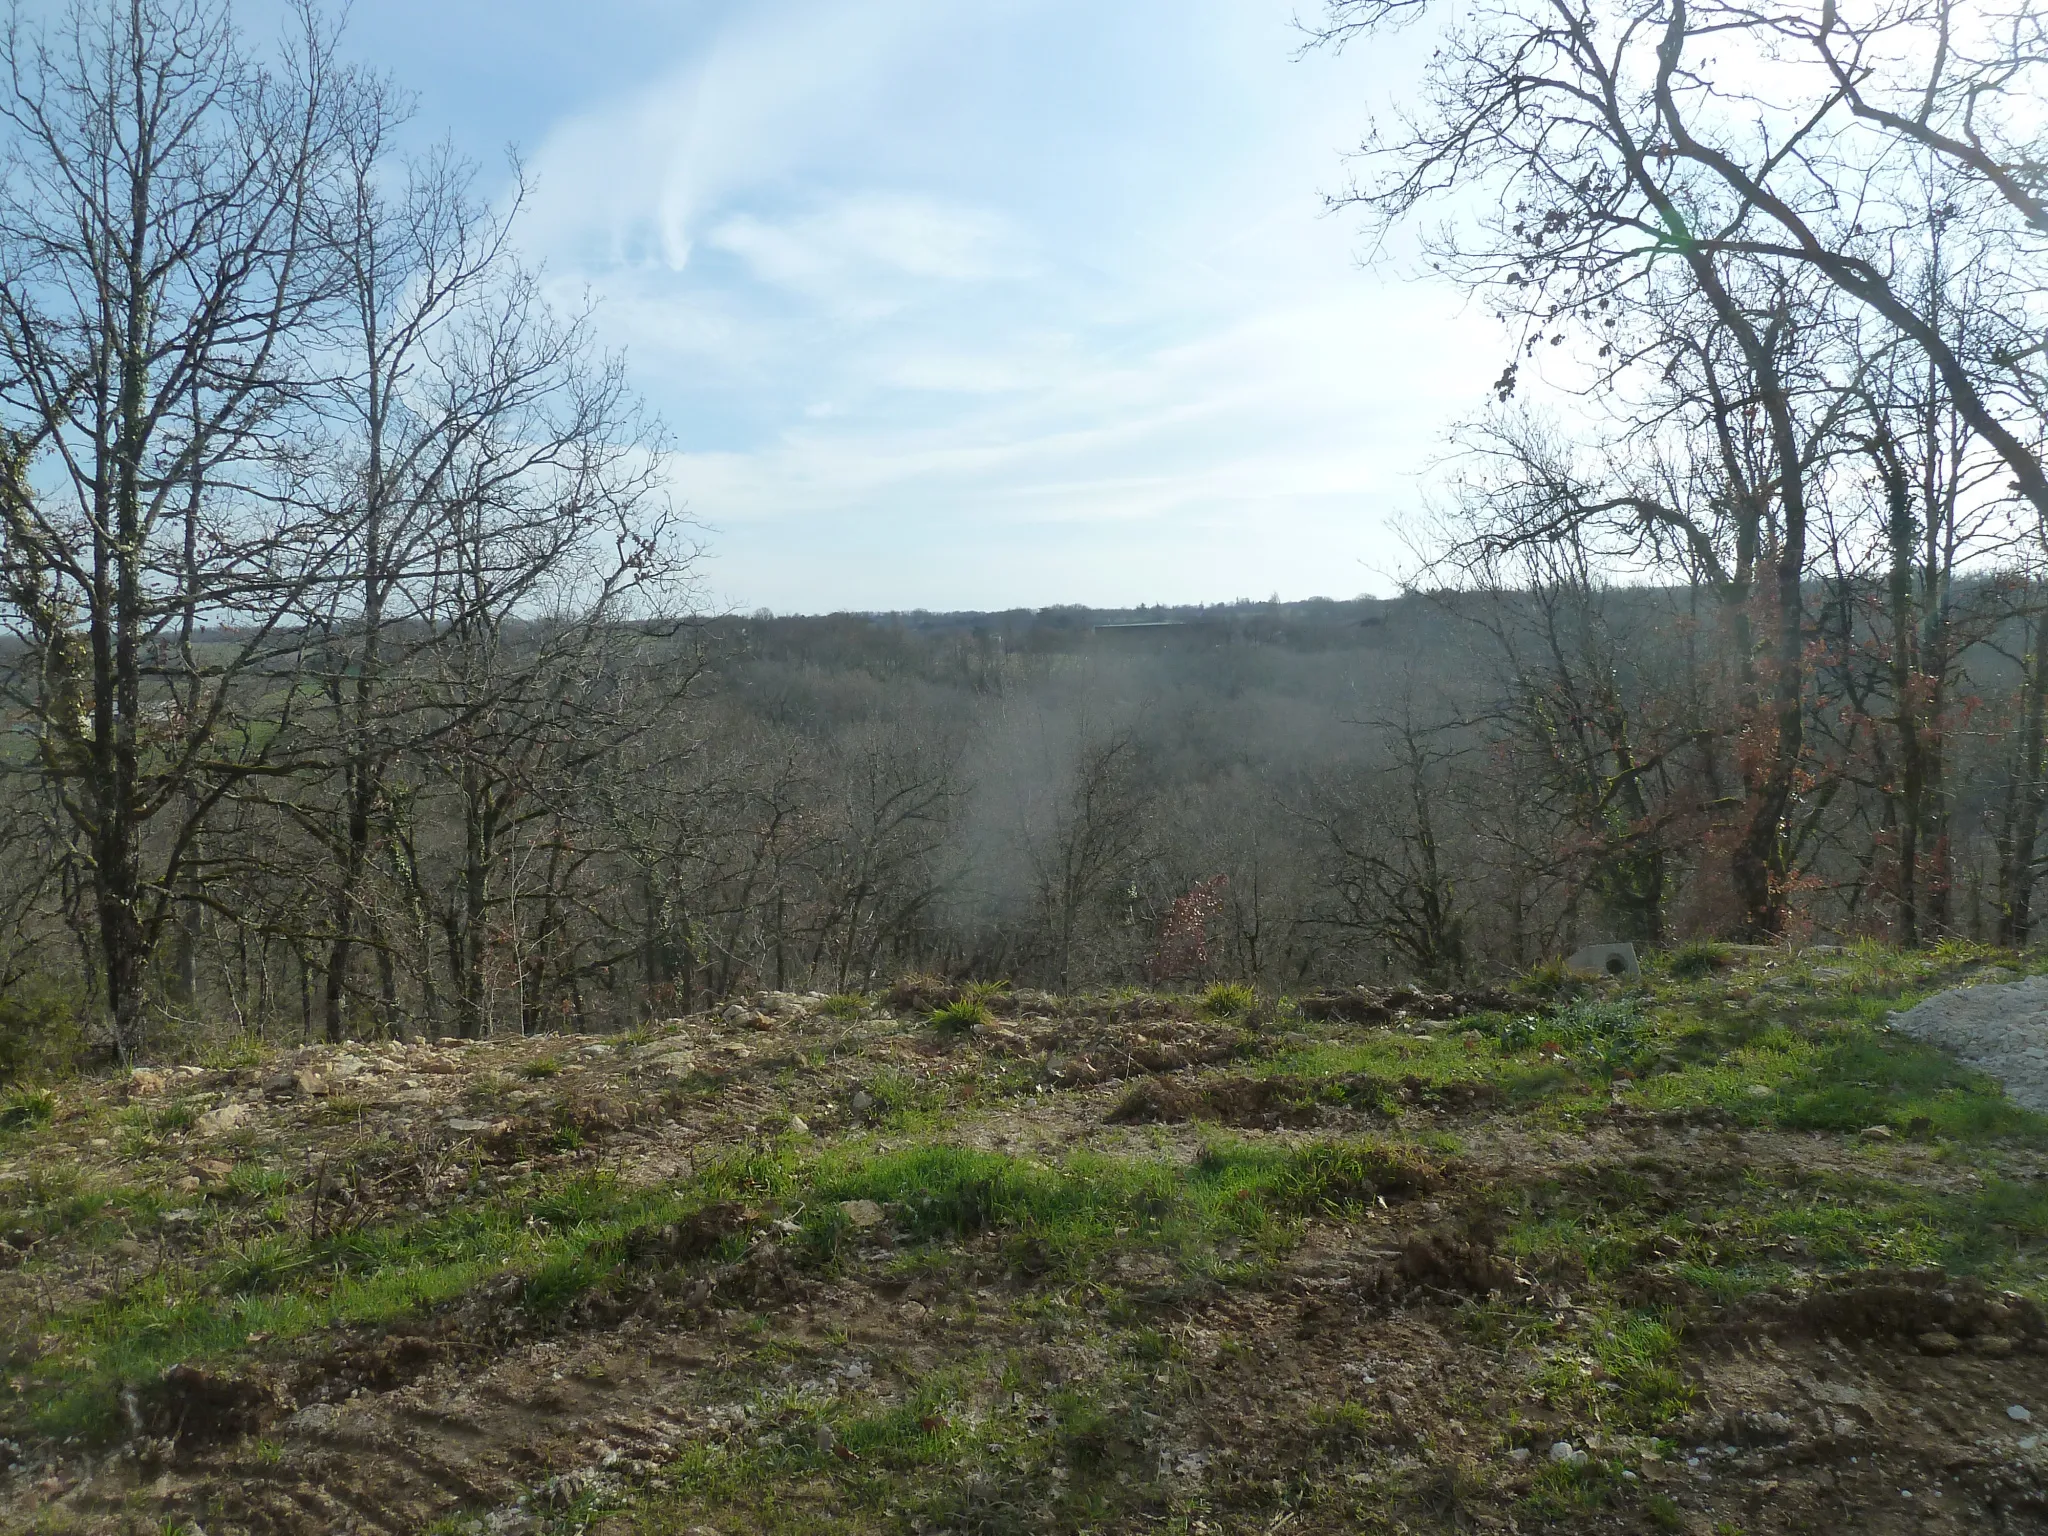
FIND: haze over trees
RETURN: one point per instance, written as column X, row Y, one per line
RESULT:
column 351, row 687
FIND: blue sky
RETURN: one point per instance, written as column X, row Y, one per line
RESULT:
column 975, row 305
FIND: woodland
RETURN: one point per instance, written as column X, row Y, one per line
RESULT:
column 356, row 682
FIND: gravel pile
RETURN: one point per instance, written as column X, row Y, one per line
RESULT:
column 2002, row 1030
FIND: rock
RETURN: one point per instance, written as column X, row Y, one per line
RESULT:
column 862, row 1214
column 1876, row 1133
column 216, row 1122
column 1759, row 1091
column 145, row 1081
column 823, row 1438
column 1938, row 1341
column 345, row 1066
column 1564, row 1453
column 1993, row 1346
column 799, row 1125
column 2019, row 1415
column 1519, row 1454
column 310, row 1084
column 1605, row 960
column 314, row 1419
column 2000, row 1029
column 471, row 1127
column 280, row 1085
column 672, row 1062
column 862, row 1101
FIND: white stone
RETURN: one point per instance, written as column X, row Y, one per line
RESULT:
column 217, row 1121
column 2019, row 1415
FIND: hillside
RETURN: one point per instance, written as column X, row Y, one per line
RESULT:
column 1715, row 1253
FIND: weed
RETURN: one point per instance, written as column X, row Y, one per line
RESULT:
column 1551, row 981
column 540, row 1069
column 1696, row 958
column 27, row 1109
column 960, row 1017
column 1664, row 1513
column 1229, row 1000
column 844, row 1005
column 1345, row 1426
column 179, row 1115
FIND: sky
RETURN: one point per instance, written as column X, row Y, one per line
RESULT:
column 956, row 304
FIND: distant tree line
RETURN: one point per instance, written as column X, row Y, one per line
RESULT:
column 351, row 687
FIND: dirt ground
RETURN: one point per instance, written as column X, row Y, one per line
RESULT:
column 1402, row 1365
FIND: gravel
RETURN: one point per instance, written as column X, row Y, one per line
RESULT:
column 2001, row 1030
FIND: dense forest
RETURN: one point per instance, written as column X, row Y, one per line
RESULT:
column 355, row 685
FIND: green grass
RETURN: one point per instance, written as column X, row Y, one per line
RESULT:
column 944, row 1456
column 844, row 1005
column 1729, row 1231
column 566, row 1239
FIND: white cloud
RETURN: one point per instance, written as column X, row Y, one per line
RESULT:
column 1025, row 297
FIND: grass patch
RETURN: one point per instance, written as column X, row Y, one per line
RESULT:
column 1697, row 958
column 1235, row 1205
column 1728, row 1231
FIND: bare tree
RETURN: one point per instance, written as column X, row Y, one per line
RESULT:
column 157, row 264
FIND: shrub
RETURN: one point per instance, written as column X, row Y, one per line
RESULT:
column 40, row 1028
column 844, row 1005
column 1229, row 1000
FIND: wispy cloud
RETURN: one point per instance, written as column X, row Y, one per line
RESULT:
column 1015, row 303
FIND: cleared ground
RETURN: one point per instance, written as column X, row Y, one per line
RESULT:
column 1716, row 1253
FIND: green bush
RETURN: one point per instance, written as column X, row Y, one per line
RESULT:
column 844, row 1005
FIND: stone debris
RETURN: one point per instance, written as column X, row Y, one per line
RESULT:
column 2001, row 1030
column 218, row 1122
column 861, row 1213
